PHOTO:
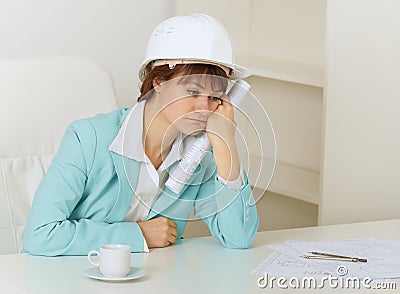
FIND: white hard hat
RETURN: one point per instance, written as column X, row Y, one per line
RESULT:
column 193, row 38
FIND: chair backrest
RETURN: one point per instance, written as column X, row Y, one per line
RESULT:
column 38, row 98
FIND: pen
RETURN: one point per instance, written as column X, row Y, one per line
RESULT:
column 328, row 256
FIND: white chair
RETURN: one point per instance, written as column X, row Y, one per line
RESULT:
column 38, row 98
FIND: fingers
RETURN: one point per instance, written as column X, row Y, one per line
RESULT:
column 225, row 106
column 170, row 237
column 225, row 99
column 159, row 232
column 172, row 232
column 171, row 223
column 225, row 110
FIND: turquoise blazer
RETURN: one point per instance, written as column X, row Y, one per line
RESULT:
column 82, row 201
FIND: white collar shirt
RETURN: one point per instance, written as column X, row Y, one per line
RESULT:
column 129, row 143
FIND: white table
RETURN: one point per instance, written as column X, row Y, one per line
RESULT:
column 198, row 265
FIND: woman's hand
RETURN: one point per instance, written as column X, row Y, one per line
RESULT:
column 159, row 232
column 221, row 128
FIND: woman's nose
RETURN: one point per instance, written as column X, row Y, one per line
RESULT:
column 202, row 103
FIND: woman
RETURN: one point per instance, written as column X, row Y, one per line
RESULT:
column 107, row 182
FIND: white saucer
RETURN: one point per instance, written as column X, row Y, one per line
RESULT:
column 134, row 273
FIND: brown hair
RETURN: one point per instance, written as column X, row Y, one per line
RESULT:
column 198, row 69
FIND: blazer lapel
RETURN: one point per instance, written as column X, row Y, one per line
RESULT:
column 127, row 171
column 163, row 204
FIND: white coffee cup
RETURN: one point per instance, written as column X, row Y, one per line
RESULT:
column 114, row 260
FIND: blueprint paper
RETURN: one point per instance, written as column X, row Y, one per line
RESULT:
column 383, row 259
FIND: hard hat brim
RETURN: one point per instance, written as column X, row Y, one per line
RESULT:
column 236, row 71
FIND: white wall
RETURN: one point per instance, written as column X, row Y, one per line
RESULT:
column 111, row 33
column 362, row 106
column 290, row 30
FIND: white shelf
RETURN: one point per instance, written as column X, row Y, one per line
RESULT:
column 291, row 181
column 290, row 71
column 296, row 182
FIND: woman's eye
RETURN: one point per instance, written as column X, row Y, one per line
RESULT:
column 215, row 99
column 193, row 92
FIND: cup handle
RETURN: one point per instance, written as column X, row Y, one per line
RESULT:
column 90, row 254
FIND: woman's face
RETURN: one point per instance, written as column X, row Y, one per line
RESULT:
column 188, row 101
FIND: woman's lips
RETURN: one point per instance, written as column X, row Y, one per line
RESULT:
column 199, row 121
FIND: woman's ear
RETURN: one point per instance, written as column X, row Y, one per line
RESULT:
column 157, row 81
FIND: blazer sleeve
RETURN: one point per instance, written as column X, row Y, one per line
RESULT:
column 231, row 215
column 51, row 230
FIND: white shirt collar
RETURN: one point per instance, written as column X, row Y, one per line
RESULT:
column 129, row 143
